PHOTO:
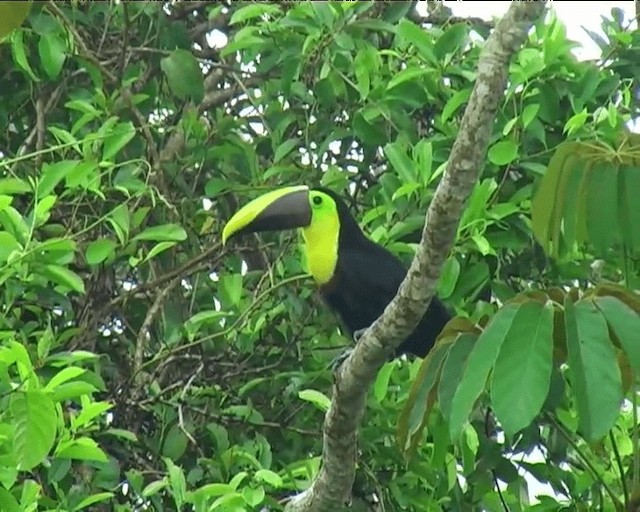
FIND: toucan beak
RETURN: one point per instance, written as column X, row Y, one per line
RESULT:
column 285, row 208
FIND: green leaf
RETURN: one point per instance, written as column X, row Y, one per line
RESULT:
column 529, row 113
column 405, row 75
column 503, row 153
column 116, row 139
column 90, row 411
column 52, row 49
column 629, row 211
column 93, row 499
column 595, row 374
column 177, row 482
column 381, row 385
column 625, row 324
column 522, row 374
column 401, row 162
column 64, row 375
column 63, row 276
column 453, row 38
column 157, row 249
column 449, row 277
column 20, row 55
column 12, row 14
column 253, row 497
column 454, row 103
column 602, row 206
column 268, row 477
column 9, row 503
column 419, row 38
column 481, row 360
column 54, row 173
column 284, row 149
column 35, row 419
column 254, row 10
column 317, row 398
column 184, row 75
column 231, row 287
column 83, row 448
column 166, row 232
column 8, row 244
column 366, row 64
column 416, row 411
column 452, row 370
column 99, row 250
column 70, row 390
column 120, row 221
column 155, row 487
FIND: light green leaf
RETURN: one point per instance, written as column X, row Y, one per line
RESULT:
column 52, row 49
column 83, row 448
column 317, row 398
column 99, row 250
column 64, row 375
column 118, row 137
column 503, row 152
column 253, row 10
column 166, row 232
column 19, row 53
column 54, row 173
column 35, row 419
column 381, row 385
column 63, row 276
column 93, row 499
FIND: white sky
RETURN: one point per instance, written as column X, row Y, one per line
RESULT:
column 574, row 15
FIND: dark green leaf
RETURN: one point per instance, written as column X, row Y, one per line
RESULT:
column 480, row 362
column 521, row 377
column 625, row 324
column 595, row 375
column 184, row 75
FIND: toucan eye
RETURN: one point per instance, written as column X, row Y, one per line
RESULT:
column 317, row 200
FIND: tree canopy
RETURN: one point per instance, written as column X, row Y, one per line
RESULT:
column 144, row 365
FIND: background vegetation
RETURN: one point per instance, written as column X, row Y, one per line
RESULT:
column 143, row 365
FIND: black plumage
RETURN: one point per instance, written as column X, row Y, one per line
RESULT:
column 366, row 279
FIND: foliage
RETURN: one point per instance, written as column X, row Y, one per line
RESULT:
column 140, row 362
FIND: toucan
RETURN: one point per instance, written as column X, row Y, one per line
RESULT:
column 356, row 277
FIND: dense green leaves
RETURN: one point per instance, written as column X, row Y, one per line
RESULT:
column 137, row 353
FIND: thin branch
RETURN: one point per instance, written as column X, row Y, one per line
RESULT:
column 585, row 460
column 144, row 329
column 330, row 490
column 623, row 477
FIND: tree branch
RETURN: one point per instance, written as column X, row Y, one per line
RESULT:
column 332, row 486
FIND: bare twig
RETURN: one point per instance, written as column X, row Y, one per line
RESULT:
column 144, row 329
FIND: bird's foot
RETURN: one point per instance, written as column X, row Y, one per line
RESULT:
column 340, row 358
column 358, row 334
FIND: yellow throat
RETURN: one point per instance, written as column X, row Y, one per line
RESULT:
column 321, row 246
